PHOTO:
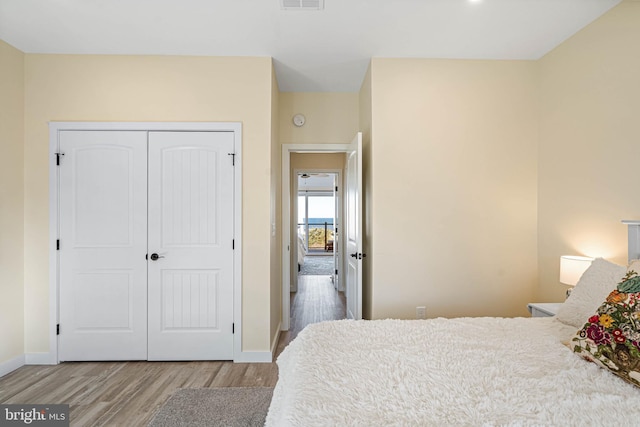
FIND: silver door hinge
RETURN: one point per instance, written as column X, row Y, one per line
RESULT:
column 58, row 158
column 233, row 158
column 58, row 329
column 233, row 328
column 233, row 244
column 58, row 245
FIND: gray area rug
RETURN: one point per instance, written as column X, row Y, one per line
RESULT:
column 317, row 266
column 222, row 406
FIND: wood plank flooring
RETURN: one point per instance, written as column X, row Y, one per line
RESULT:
column 129, row 393
column 315, row 301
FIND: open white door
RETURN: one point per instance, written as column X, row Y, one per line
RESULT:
column 336, row 242
column 191, row 245
column 353, row 227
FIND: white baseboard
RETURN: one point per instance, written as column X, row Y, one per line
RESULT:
column 48, row 359
column 40, row 359
column 11, row 365
column 253, row 357
column 274, row 343
column 259, row 356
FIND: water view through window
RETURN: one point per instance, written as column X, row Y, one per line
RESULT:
column 315, row 220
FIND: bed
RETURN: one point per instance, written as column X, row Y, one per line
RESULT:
column 302, row 249
column 468, row 371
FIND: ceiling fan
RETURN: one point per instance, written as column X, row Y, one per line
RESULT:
column 309, row 175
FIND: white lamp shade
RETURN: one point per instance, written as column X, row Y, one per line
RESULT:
column 572, row 267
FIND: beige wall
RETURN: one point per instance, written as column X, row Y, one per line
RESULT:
column 589, row 144
column 453, row 187
column 276, row 214
column 332, row 118
column 151, row 88
column 478, row 174
column 316, row 161
column 11, row 203
column 365, row 102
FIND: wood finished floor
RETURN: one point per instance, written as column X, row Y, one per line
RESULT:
column 129, row 393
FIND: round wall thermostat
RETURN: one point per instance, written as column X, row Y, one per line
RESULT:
column 298, row 120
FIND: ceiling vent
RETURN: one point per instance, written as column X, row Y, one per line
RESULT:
column 302, row 4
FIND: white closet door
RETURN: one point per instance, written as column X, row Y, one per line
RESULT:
column 103, row 242
column 191, row 232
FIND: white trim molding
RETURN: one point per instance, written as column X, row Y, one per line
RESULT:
column 339, row 218
column 54, row 129
column 254, row 357
column 11, row 365
column 49, row 358
column 274, row 343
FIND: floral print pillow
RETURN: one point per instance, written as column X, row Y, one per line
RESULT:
column 611, row 337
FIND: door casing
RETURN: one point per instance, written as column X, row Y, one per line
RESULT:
column 287, row 189
column 294, row 203
column 54, row 129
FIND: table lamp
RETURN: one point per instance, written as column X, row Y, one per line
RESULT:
column 571, row 269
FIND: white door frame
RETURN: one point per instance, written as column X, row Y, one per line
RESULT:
column 339, row 206
column 54, row 129
column 287, row 149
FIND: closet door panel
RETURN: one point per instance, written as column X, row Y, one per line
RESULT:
column 191, row 234
column 103, row 241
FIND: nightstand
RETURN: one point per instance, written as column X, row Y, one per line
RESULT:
column 543, row 309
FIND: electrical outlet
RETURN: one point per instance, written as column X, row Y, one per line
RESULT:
column 421, row 312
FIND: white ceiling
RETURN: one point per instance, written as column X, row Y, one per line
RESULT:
column 313, row 51
column 316, row 181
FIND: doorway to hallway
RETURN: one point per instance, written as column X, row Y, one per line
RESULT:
column 326, row 158
column 317, row 296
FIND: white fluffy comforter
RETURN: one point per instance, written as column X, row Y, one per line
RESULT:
column 441, row 372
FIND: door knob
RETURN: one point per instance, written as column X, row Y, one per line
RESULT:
column 355, row 255
column 154, row 257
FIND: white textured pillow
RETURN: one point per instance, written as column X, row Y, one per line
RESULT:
column 596, row 283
